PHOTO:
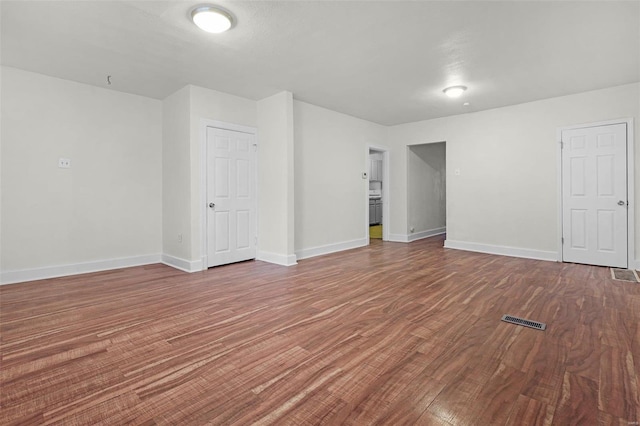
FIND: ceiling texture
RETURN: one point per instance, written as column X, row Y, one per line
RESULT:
column 383, row 61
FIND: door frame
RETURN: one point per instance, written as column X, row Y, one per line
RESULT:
column 385, row 192
column 631, row 263
column 204, row 125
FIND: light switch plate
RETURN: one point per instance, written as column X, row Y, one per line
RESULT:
column 64, row 163
column 364, row 175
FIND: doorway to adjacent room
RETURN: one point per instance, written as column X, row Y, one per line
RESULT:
column 426, row 190
column 377, row 198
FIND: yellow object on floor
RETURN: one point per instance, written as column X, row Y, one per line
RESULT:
column 375, row 231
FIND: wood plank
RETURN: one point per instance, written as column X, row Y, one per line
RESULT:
column 578, row 401
column 386, row 334
column 618, row 384
column 528, row 411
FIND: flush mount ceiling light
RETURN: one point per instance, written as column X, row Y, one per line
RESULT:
column 211, row 19
column 454, row 91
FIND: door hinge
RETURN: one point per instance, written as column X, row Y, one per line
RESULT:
column 255, row 146
column 562, row 240
column 561, row 144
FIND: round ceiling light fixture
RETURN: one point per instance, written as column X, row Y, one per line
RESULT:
column 211, row 19
column 454, row 91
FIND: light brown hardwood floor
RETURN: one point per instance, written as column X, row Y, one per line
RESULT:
column 387, row 334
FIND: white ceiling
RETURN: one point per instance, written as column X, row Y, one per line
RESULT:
column 384, row 61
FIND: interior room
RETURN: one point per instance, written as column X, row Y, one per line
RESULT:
column 187, row 234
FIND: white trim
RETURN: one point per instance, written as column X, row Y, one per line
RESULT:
column 331, row 248
column 386, row 194
column 631, row 241
column 399, row 238
column 182, row 264
column 559, row 194
column 402, row 238
column 631, row 210
column 204, row 124
column 426, row 234
column 11, row 277
column 227, row 126
column 278, row 259
column 502, row 250
column 597, row 124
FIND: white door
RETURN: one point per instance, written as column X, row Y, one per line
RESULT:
column 594, row 193
column 231, row 196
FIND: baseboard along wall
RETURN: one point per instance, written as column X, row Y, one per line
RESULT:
column 182, row 264
column 331, row 248
column 278, row 259
column 12, row 277
column 502, row 250
column 407, row 238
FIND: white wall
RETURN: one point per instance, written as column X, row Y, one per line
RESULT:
column 211, row 105
column 176, row 176
column 135, row 181
column 506, row 193
column 331, row 152
column 184, row 112
column 108, row 205
column 426, row 189
column 1, row 133
column 276, row 179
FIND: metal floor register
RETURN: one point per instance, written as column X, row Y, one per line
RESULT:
column 524, row 322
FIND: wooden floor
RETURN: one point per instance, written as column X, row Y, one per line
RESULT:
column 389, row 334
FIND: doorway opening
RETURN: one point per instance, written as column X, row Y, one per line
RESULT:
column 596, row 194
column 426, row 190
column 377, row 196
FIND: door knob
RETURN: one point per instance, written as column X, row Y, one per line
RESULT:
column 212, row 205
column 621, row 203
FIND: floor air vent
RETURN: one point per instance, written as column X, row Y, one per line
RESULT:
column 624, row 275
column 524, row 322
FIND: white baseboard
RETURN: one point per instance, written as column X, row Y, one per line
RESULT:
column 278, row 259
column 407, row 238
column 11, row 277
column 398, row 238
column 426, row 234
column 502, row 250
column 331, row 248
column 182, row 264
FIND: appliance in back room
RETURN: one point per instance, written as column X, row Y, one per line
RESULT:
column 375, row 194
